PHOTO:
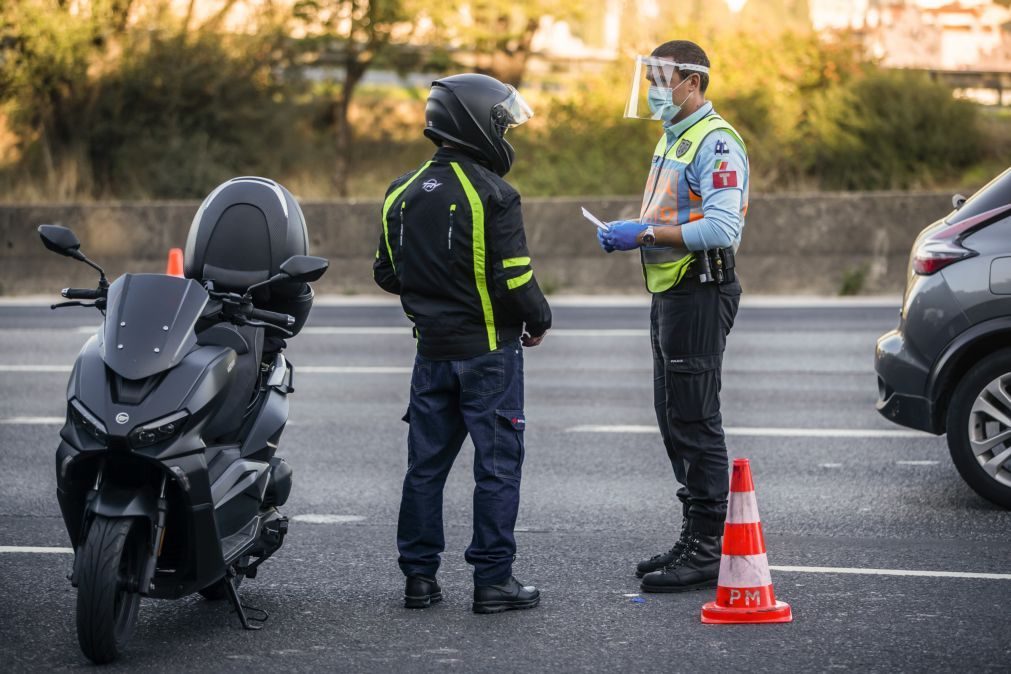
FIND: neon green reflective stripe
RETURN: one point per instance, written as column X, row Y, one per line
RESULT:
column 515, row 262
column 477, row 218
column 386, row 211
column 665, row 275
column 515, row 283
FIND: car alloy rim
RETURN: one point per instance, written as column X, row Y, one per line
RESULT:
column 990, row 429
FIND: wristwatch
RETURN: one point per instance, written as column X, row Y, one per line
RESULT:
column 648, row 236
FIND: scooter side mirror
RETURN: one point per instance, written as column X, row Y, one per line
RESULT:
column 957, row 201
column 305, row 268
column 61, row 240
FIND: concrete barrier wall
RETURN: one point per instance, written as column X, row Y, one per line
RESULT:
column 806, row 244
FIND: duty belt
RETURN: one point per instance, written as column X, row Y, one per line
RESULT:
column 712, row 266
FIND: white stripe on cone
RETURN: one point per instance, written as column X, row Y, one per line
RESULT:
column 743, row 508
column 744, row 571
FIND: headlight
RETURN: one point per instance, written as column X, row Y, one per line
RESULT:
column 158, row 431
column 88, row 422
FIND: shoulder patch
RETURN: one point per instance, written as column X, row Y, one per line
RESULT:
column 683, row 148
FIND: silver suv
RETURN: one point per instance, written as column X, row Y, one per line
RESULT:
column 947, row 367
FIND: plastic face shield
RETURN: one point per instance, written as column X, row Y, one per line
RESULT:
column 511, row 112
column 651, row 71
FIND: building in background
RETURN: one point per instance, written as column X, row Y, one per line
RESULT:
column 965, row 42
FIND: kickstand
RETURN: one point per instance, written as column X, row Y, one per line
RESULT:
column 248, row 622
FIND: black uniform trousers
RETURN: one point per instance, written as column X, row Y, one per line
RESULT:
column 689, row 325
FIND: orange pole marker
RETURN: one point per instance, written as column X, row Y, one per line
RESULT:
column 744, row 591
column 175, row 262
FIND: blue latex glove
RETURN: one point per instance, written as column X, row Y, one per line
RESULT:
column 622, row 234
column 600, row 239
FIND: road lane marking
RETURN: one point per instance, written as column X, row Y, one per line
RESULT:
column 329, row 519
column 636, row 300
column 892, row 572
column 35, row 368
column 315, row 518
column 376, row 330
column 350, row 369
column 304, row 369
column 32, row 421
column 767, row 432
column 917, row 463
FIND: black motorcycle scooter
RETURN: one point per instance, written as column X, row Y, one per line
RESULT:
column 166, row 474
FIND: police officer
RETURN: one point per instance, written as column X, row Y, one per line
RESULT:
column 689, row 228
column 454, row 249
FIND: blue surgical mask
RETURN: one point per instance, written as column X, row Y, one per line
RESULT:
column 661, row 102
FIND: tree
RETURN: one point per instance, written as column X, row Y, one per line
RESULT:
column 495, row 38
column 349, row 35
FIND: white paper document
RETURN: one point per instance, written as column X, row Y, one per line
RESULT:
column 592, row 218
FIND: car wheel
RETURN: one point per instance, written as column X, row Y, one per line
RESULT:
column 979, row 427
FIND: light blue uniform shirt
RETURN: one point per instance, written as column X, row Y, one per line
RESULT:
column 722, row 220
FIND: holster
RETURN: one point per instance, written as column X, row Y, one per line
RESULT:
column 717, row 266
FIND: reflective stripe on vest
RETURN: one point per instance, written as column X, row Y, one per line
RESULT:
column 669, row 200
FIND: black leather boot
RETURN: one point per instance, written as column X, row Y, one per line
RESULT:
column 505, row 597
column 696, row 567
column 421, row 592
column 657, row 562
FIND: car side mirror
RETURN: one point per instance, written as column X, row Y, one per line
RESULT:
column 957, row 201
column 61, row 240
column 305, row 268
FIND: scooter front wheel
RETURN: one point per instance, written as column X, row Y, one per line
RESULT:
column 110, row 563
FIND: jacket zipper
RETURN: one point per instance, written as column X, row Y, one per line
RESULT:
column 403, row 204
column 449, row 237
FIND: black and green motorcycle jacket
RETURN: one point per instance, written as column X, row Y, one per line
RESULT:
column 454, row 249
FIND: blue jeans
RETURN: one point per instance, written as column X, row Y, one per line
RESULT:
column 482, row 396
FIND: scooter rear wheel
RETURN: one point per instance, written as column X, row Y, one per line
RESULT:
column 110, row 564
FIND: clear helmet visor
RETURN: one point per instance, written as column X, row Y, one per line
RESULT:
column 513, row 111
column 655, row 78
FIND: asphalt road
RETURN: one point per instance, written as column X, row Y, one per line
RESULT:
column 798, row 384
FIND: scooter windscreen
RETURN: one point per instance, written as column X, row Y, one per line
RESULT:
column 149, row 323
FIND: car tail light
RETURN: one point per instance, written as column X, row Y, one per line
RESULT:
column 934, row 254
column 944, row 246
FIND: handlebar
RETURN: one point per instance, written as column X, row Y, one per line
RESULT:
column 80, row 293
column 283, row 320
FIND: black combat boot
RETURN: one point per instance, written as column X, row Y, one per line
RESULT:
column 657, row 562
column 505, row 597
column 421, row 592
column 696, row 567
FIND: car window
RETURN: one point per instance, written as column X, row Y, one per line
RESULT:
column 995, row 194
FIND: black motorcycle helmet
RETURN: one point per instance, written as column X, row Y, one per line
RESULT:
column 473, row 112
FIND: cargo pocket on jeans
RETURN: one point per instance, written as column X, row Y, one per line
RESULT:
column 693, row 387
column 509, row 451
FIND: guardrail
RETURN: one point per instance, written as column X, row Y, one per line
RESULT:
column 818, row 243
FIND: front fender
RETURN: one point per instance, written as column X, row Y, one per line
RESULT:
column 112, row 501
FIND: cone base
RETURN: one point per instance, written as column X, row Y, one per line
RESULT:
column 713, row 614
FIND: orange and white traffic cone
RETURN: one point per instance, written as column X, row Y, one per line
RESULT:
column 175, row 262
column 744, row 591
